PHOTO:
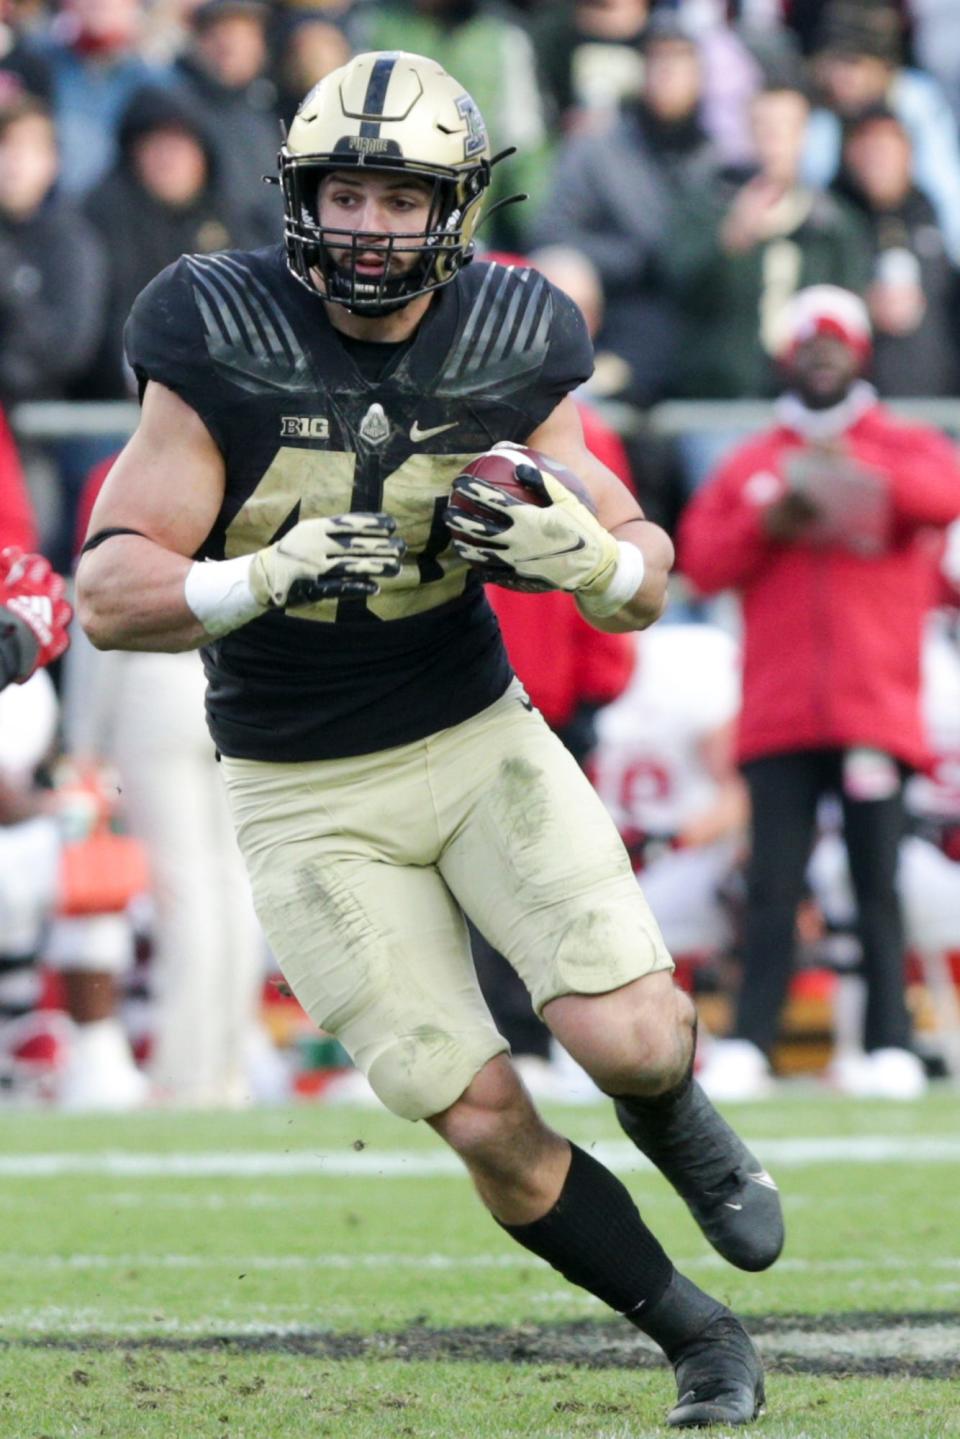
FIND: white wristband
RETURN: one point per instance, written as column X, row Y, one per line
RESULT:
column 625, row 581
column 219, row 594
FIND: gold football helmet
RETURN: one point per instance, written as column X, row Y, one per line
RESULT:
column 386, row 110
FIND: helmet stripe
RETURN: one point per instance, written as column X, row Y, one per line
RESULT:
column 375, row 98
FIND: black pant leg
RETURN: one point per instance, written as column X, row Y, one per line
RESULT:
column 784, row 790
column 873, row 830
column 508, row 999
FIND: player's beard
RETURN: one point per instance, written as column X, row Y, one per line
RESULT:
column 373, row 293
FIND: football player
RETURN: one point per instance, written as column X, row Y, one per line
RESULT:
column 293, row 504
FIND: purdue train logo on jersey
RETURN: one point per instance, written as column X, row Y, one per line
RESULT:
column 375, row 427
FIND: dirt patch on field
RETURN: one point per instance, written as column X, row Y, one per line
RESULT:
column 919, row 1345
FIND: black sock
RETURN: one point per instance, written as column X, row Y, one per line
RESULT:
column 595, row 1237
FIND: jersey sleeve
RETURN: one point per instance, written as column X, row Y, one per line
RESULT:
column 164, row 341
column 17, row 524
column 569, row 358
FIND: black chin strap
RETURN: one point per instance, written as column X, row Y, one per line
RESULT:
column 343, row 290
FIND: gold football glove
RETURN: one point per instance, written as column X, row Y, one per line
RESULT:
column 552, row 543
column 342, row 556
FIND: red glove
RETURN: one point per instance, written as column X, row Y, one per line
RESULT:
column 34, row 614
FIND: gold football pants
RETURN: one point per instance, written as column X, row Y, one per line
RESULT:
column 362, row 869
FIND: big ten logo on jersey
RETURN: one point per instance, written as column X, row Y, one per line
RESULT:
column 304, row 427
column 301, row 484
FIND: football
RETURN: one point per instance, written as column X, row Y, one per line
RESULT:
column 499, row 469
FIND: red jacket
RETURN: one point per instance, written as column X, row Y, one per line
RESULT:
column 92, row 486
column 562, row 660
column 831, row 637
column 17, row 526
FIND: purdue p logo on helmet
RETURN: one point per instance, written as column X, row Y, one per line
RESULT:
column 388, row 111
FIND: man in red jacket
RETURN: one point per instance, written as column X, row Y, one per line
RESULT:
column 816, row 524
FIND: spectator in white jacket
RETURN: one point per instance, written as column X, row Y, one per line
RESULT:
column 857, row 65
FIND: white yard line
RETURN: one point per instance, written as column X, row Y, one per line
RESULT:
column 420, row 1164
column 352, row 1262
column 249, row 1262
column 86, row 1319
column 895, row 1341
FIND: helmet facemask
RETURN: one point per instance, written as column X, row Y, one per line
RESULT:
column 323, row 257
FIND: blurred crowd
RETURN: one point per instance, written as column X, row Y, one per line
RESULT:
column 707, row 158
column 691, row 167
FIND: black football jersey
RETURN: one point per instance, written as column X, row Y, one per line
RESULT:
column 304, row 432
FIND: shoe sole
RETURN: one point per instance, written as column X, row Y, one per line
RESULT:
column 707, row 1420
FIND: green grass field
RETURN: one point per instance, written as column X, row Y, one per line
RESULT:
column 323, row 1272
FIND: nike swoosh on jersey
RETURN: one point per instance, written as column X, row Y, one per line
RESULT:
column 416, row 434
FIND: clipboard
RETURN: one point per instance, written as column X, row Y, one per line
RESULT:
column 852, row 500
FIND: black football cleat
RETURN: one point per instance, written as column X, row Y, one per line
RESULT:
column 719, row 1377
column 725, row 1187
column 742, row 1218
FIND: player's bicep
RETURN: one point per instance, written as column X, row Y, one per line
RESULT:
column 561, row 436
column 168, row 481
